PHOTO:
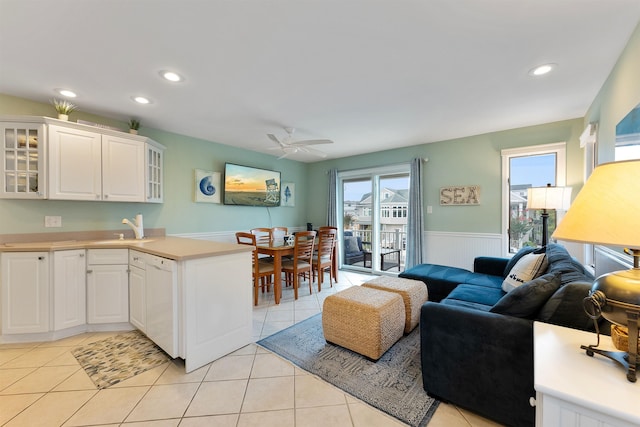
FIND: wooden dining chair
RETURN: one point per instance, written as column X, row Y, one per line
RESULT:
column 262, row 270
column 301, row 264
column 323, row 256
column 264, row 236
column 279, row 232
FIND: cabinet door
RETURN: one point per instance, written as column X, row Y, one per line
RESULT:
column 22, row 172
column 137, row 298
column 25, row 292
column 123, row 174
column 107, row 294
column 74, row 164
column 153, row 170
column 69, row 289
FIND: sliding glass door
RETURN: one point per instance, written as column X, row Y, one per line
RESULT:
column 374, row 213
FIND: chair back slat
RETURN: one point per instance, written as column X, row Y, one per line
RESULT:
column 326, row 241
column 304, row 243
column 263, row 235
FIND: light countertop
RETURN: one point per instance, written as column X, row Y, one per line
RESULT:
column 176, row 248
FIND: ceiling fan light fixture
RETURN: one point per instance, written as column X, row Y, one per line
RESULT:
column 541, row 70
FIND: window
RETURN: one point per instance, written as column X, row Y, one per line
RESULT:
column 628, row 136
column 523, row 168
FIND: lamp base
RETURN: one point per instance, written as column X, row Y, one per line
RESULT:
column 621, row 357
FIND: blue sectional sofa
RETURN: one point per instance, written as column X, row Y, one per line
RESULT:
column 477, row 340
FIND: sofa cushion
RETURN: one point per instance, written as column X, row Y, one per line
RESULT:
column 525, row 301
column 475, row 294
column 527, row 268
column 440, row 279
column 565, row 307
column 569, row 269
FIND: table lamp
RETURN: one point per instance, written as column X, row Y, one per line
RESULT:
column 547, row 198
column 606, row 212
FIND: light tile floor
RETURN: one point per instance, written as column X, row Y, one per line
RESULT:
column 41, row 384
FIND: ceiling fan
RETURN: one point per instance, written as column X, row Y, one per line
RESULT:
column 288, row 146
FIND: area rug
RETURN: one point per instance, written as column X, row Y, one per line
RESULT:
column 114, row 359
column 392, row 384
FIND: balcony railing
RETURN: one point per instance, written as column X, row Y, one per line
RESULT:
column 390, row 242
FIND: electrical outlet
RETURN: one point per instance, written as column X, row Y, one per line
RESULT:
column 53, row 221
column 429, row 209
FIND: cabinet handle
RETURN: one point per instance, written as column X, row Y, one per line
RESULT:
column 89, row 271
column 40, row 258
column 81, row 255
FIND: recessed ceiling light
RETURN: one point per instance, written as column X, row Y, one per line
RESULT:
column 171, row 76
column 541, row 70
column 66, row 92
column 141, row 100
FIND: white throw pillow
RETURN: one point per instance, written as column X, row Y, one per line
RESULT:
column 527, row 268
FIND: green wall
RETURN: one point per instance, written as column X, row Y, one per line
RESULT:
column 179, row 213
column 474, row 160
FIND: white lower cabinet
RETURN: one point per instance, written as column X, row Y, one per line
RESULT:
column 107, row 286
column 137, row 290
column 69, row 289
column 25, row 292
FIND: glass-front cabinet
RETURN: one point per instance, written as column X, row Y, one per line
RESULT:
column 153, row 176
column 22, row 161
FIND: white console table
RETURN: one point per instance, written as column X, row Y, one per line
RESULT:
column 573, row 389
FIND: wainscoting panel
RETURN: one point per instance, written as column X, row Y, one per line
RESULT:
column 460, row 249
column 608, row 260
column 221, row 236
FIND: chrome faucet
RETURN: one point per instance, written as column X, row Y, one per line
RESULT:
column 136, row 226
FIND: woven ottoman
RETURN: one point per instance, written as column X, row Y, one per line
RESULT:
column 413, row 293
column 364, row 320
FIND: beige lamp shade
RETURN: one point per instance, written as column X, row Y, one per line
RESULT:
column 549, row 198
column 606, row 209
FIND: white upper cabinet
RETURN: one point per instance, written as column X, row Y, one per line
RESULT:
column 123, row 170
column 83, row 162
column 22, row 161
column 75, row 159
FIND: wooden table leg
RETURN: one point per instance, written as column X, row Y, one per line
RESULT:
column 277, row 276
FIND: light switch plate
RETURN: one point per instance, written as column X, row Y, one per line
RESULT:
column 52, row 221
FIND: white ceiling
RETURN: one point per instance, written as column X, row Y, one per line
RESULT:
column 368, row 74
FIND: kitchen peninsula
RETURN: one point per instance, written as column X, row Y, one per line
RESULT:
column 192, row 297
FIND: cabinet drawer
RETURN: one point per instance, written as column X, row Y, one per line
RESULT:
column 137, row 259
column 108, row 256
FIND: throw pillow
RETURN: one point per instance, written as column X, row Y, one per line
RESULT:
column 525, row 301
column 514, row 259
column 527, row 268
column 351, row 244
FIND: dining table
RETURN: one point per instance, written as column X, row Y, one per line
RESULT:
column 277, row 249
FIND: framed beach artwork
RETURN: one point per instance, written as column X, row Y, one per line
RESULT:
column 207, row 186
column 288, row 196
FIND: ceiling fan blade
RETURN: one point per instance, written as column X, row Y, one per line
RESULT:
column 312, row 142
column 283, row 156
column 274, row 139
column 313, row 151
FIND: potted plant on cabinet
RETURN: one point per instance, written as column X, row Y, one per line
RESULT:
column 134, row 125
column 63, row 108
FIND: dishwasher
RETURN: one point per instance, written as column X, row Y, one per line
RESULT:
column 162, row 303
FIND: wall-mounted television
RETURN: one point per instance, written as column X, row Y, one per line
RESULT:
column 249, row 186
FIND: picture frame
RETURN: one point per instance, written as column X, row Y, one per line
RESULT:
column 288, row 194
column 207, row 186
